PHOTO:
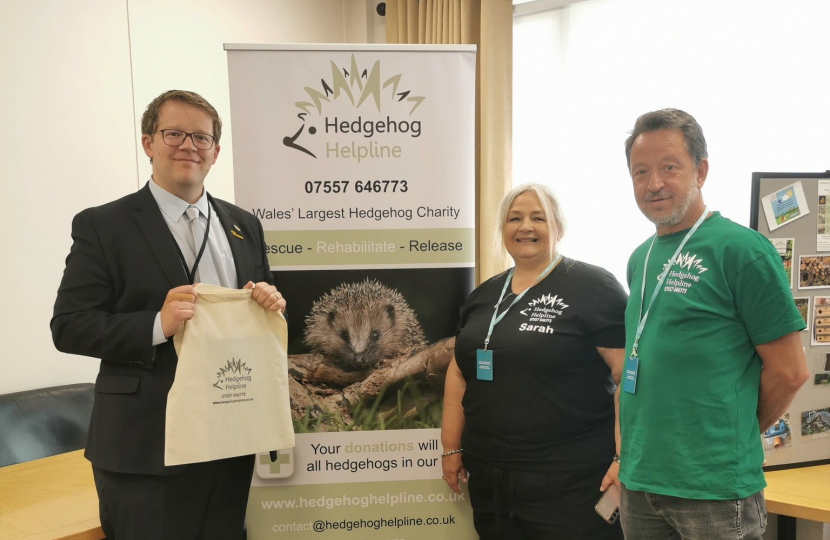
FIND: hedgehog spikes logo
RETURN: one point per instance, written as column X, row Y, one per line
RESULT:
column 234, row 375
column 358, row 87
column 553, row 302
column 687, row 262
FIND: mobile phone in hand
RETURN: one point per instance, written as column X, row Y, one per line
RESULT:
column 608, row 506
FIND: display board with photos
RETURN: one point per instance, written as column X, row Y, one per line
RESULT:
column 792, row 210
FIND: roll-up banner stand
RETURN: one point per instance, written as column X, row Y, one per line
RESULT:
column 359, row 162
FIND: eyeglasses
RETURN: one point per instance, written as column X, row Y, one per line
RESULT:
column 175, row 137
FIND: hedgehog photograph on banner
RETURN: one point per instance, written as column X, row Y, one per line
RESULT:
column 377, row 340
column 358, row 161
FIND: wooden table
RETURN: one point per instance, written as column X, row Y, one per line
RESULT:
column 54, row 498
column 798, row 493
column 48, row 499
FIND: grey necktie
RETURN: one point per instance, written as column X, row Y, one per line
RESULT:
column 206, row 273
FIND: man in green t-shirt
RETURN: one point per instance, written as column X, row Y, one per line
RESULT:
column 713, row 354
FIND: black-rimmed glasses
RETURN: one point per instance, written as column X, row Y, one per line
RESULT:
column 175, row 137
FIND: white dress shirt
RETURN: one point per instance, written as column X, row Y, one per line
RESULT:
column 217, row 251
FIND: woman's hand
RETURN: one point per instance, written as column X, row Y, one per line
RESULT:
column 452, row 426
column 452, row 469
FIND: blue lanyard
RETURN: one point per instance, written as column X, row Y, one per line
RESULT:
column 662, row 279
column 496, row 319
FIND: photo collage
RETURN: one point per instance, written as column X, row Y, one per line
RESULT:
column 808, row 272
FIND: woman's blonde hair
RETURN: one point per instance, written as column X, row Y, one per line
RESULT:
column 554, row 219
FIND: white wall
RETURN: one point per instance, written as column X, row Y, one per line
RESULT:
column 67, row 143
column 76, row 77
column 754, row 73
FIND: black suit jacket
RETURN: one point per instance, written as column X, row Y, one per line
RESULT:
column 122, row 263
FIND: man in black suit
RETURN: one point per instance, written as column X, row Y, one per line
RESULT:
column 127, row 288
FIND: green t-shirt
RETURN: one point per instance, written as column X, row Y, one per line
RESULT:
column 691, row 429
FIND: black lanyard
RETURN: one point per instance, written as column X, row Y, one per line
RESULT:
column 191, row 274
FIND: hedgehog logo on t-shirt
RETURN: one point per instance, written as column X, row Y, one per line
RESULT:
column 545, row 304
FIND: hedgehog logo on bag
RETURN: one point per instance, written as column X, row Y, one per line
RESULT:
column 360, row 325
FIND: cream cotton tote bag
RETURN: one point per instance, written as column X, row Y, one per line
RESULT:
column 230, row 394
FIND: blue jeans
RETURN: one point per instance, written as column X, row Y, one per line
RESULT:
column 646, row 516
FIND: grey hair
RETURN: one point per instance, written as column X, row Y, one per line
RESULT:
column 550, row 206
column 670, row 119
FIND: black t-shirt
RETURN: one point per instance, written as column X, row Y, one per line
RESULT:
column 550, row 405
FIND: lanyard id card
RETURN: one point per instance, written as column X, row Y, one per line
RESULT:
column 631, row 366
column 484, row 365
column 484, row 358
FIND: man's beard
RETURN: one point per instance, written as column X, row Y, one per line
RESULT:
column 679, row 212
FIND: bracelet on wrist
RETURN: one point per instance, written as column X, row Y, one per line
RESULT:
column 616, row 458
column 451, row 452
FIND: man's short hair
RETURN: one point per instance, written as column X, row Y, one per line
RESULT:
column 150, row 118
column 670, row 119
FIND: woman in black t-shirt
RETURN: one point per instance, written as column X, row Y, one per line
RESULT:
column 532, row 407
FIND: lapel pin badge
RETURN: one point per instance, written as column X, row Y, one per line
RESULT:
column 235, row 226
column 236, row 234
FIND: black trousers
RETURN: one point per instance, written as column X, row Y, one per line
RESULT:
column 206, row 501
column 521, row 505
